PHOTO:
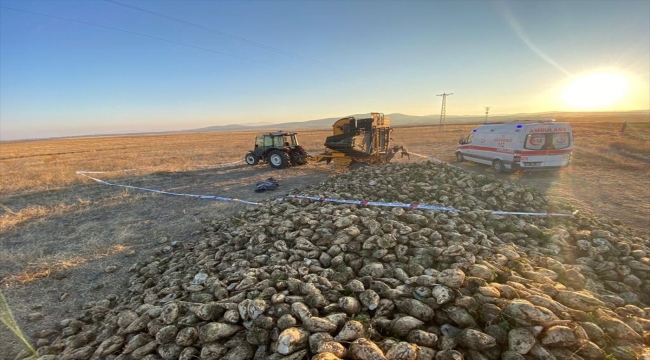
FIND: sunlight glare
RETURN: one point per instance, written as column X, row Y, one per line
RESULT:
column 595, row 90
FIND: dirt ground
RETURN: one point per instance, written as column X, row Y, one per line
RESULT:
column 613, row 198
column 104, row 226
column 135, row 224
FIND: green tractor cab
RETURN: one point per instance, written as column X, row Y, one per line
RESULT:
column 278, row 149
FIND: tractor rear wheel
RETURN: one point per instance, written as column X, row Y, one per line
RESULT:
column 278, row 159
column 298, row 158
column 251, row 159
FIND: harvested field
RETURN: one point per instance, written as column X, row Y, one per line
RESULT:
column 67, row 240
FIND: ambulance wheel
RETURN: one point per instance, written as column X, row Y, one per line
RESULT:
column 498, row 167
column 460, row 157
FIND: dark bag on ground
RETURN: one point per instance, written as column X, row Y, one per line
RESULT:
column 268, row 184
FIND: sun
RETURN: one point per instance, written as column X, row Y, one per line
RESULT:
column 593, row 91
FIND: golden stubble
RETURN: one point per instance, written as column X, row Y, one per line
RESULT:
column 37, row 270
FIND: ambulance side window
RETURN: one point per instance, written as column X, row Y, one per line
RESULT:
column 535, row 141
column 469, row 139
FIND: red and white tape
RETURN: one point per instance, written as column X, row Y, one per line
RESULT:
column 317, row 198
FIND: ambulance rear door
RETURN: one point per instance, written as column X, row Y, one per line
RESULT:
column 547, row 145
column 559, row 149
column 533, row 154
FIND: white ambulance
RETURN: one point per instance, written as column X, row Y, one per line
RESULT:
column 528, row 145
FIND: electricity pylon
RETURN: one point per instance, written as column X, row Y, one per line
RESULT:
column 487, row 109
column 443, row 111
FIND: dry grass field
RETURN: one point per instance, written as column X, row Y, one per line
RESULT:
column 66, row 240
column 35, row 167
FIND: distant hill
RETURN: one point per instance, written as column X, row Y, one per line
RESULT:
column 398, row 120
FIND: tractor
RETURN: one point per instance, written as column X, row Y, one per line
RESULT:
column 278, row 149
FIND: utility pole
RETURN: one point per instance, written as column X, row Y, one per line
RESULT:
column 443, row 111
column 487, row 109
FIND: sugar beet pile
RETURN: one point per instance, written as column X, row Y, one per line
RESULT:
column 297, row 279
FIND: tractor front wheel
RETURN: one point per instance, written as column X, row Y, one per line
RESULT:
column 278, row 159
column 251, row 159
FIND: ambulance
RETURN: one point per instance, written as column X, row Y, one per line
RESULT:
column 528, row 145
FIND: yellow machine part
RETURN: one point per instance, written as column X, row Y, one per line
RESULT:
column 381, row 139
column 338, row 158
column 379, row 121
column 342, row 161
column 337, row 127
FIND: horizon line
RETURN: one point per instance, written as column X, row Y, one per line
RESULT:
column 263, row 127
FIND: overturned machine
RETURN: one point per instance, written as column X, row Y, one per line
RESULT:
column 358, row 142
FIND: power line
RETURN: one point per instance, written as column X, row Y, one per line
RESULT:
column 244, row 40
column 176, row 42
column 443, row 111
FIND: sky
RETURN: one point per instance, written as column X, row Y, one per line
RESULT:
column 96, row 66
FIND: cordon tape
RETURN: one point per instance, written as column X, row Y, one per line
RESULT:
column 316, row 198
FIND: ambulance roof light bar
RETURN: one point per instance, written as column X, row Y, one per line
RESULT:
column 541, row 121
